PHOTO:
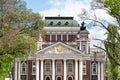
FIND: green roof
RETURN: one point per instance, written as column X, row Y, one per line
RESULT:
column 61, row 21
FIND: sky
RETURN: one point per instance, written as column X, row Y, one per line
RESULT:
column 69, row 8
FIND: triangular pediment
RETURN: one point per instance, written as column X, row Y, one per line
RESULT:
column 59, row 48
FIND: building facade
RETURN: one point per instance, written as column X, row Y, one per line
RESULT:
column 63, row 54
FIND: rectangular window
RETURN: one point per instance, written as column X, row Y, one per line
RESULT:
column 53, row 38
column 23, row 67
column 84, row 67
column 33, row 66
column 58, row 37
column 47, row 67
column 64, row 37
column 94, row 68
column 59, row 67
column 83, row 47
column 47, row 38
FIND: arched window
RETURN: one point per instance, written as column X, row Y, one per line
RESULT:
column 59, row 67
column 66, row 24
column 51, row 23
column 70, row 67
column 59, row 23
column 94, row 68
column 23, row 68
column 47, row 78
column 70, row 78
column 59, row 78
column 47, row 67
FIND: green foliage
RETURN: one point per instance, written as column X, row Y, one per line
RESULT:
column 20, row 28
column 113, row 39
column 114, row 8
column 112, row 46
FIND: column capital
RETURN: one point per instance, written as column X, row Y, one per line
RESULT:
column 37, row 59
column 53, row 59
column 42, row 59
column 76, row 59
column 80, row 59
column 64, row 59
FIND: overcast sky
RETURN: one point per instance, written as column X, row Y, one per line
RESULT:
column 68, row 8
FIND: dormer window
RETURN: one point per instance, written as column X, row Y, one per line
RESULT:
column 51, row 23
column 66, row 24
column 59, row 23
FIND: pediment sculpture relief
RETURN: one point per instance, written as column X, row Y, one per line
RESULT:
column 58, row 49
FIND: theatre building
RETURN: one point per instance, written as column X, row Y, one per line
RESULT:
column 64, row 53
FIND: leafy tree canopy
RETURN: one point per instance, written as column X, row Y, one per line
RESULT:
column 20, row 28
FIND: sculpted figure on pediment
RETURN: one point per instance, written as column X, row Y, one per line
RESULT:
column 58, row 49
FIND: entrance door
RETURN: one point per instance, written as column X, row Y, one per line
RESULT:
column 59, row 78
column 70, row 78
column 47, row 78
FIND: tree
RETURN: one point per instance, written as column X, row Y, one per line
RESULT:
column 112, row 48
column 112, row 42
column 19, row 30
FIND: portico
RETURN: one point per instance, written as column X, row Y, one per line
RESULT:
column 59, row 62
column 65, row 74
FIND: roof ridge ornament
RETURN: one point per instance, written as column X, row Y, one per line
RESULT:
column 83, row 27
column 59, row 14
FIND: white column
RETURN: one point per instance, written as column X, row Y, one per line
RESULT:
column 102, row 71
column 41, row 69
column 76, row 69
column 78, row 36
column 61, row 37
column 37, row 69
column 80, row 45
column 19, row 64
column 98, row 70
column 80, row 70
column 56, row 37
column 53, row 69
column 86, row 47
column 50, row 37
column 64, row 69
column 67, row 36
column 15, row 77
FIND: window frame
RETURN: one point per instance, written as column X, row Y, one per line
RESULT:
column 59, row 67
column 23, row 67
column 84, row 68
column 94, row 66
column 47, row 67
column 33, row 66
column 70, row 67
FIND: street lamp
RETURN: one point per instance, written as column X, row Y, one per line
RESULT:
column 10, row 75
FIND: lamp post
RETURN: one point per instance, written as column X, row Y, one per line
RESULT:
column 10, row 73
